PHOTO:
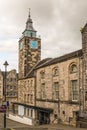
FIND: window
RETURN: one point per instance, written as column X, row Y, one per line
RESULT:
column 74, row 90
column 42, row 75
column 31, row 113
column 25, row 62
column 73, row 68
column 31, row 98
column 55, row 72
column 27, row 112
column 24, row 97
column 43, row 90
column 28, row 98
column 55, row 116
column 56, row 90
column 14, row 87
column 31, row 34
column 31, row 83
column 10, row 94
column 86, row 96
column 28, row 82
column 10, row 87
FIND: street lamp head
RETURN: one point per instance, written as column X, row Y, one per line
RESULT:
column 6, row 64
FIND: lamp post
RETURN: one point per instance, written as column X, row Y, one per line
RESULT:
column 5, row 64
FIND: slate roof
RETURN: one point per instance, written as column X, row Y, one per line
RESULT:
column 61, row 59
column 50, row 61
column 31, row 73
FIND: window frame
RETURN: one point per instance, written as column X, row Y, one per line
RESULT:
column 43, row 92
column 56, row 90
column 74, row 92
column 55, row 71
column 42, row 75
column 72, row 67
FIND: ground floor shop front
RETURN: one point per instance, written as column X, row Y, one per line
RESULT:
column 37, row 115
column 30, row 115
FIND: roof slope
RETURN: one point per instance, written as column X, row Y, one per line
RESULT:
column 50, row 61
column 61, row 59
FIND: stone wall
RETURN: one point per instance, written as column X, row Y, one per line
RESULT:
column 64, row 106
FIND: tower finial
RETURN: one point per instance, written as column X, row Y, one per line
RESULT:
column 29, row 13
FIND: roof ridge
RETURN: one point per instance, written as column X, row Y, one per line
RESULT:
column 44, row 63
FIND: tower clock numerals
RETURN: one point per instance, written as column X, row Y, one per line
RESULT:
column 33, row 44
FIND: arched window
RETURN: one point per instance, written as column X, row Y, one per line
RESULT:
column 55, row 71
column 73, row 68
column 42, row 73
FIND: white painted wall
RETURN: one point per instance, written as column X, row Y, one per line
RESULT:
column 25, row 119
column 20, row 110
column 20, row 119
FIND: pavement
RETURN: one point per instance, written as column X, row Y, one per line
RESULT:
column 61, row 127
column 19, row 126
column 10, row 123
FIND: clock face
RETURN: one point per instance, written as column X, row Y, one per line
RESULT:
column 33, row 44
column 21, row 45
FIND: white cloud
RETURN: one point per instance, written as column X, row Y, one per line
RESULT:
column 57, row 21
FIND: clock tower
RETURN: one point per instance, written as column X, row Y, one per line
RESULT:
column 29, row 49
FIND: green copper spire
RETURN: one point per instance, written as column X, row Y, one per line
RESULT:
column 29, row 23
column 29, row 30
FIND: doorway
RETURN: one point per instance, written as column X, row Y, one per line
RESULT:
column 44, row 117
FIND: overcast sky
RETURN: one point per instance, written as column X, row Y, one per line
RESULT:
column 58, row 22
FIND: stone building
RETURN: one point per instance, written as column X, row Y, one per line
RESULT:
column 29, row 49
column 51, row 90
column 11, row 86
column 29, row 56
column 1, row 87
column 58, row 82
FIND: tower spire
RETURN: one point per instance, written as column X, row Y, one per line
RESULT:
column 29, row 23
column 29, row 30
column 29, row 13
